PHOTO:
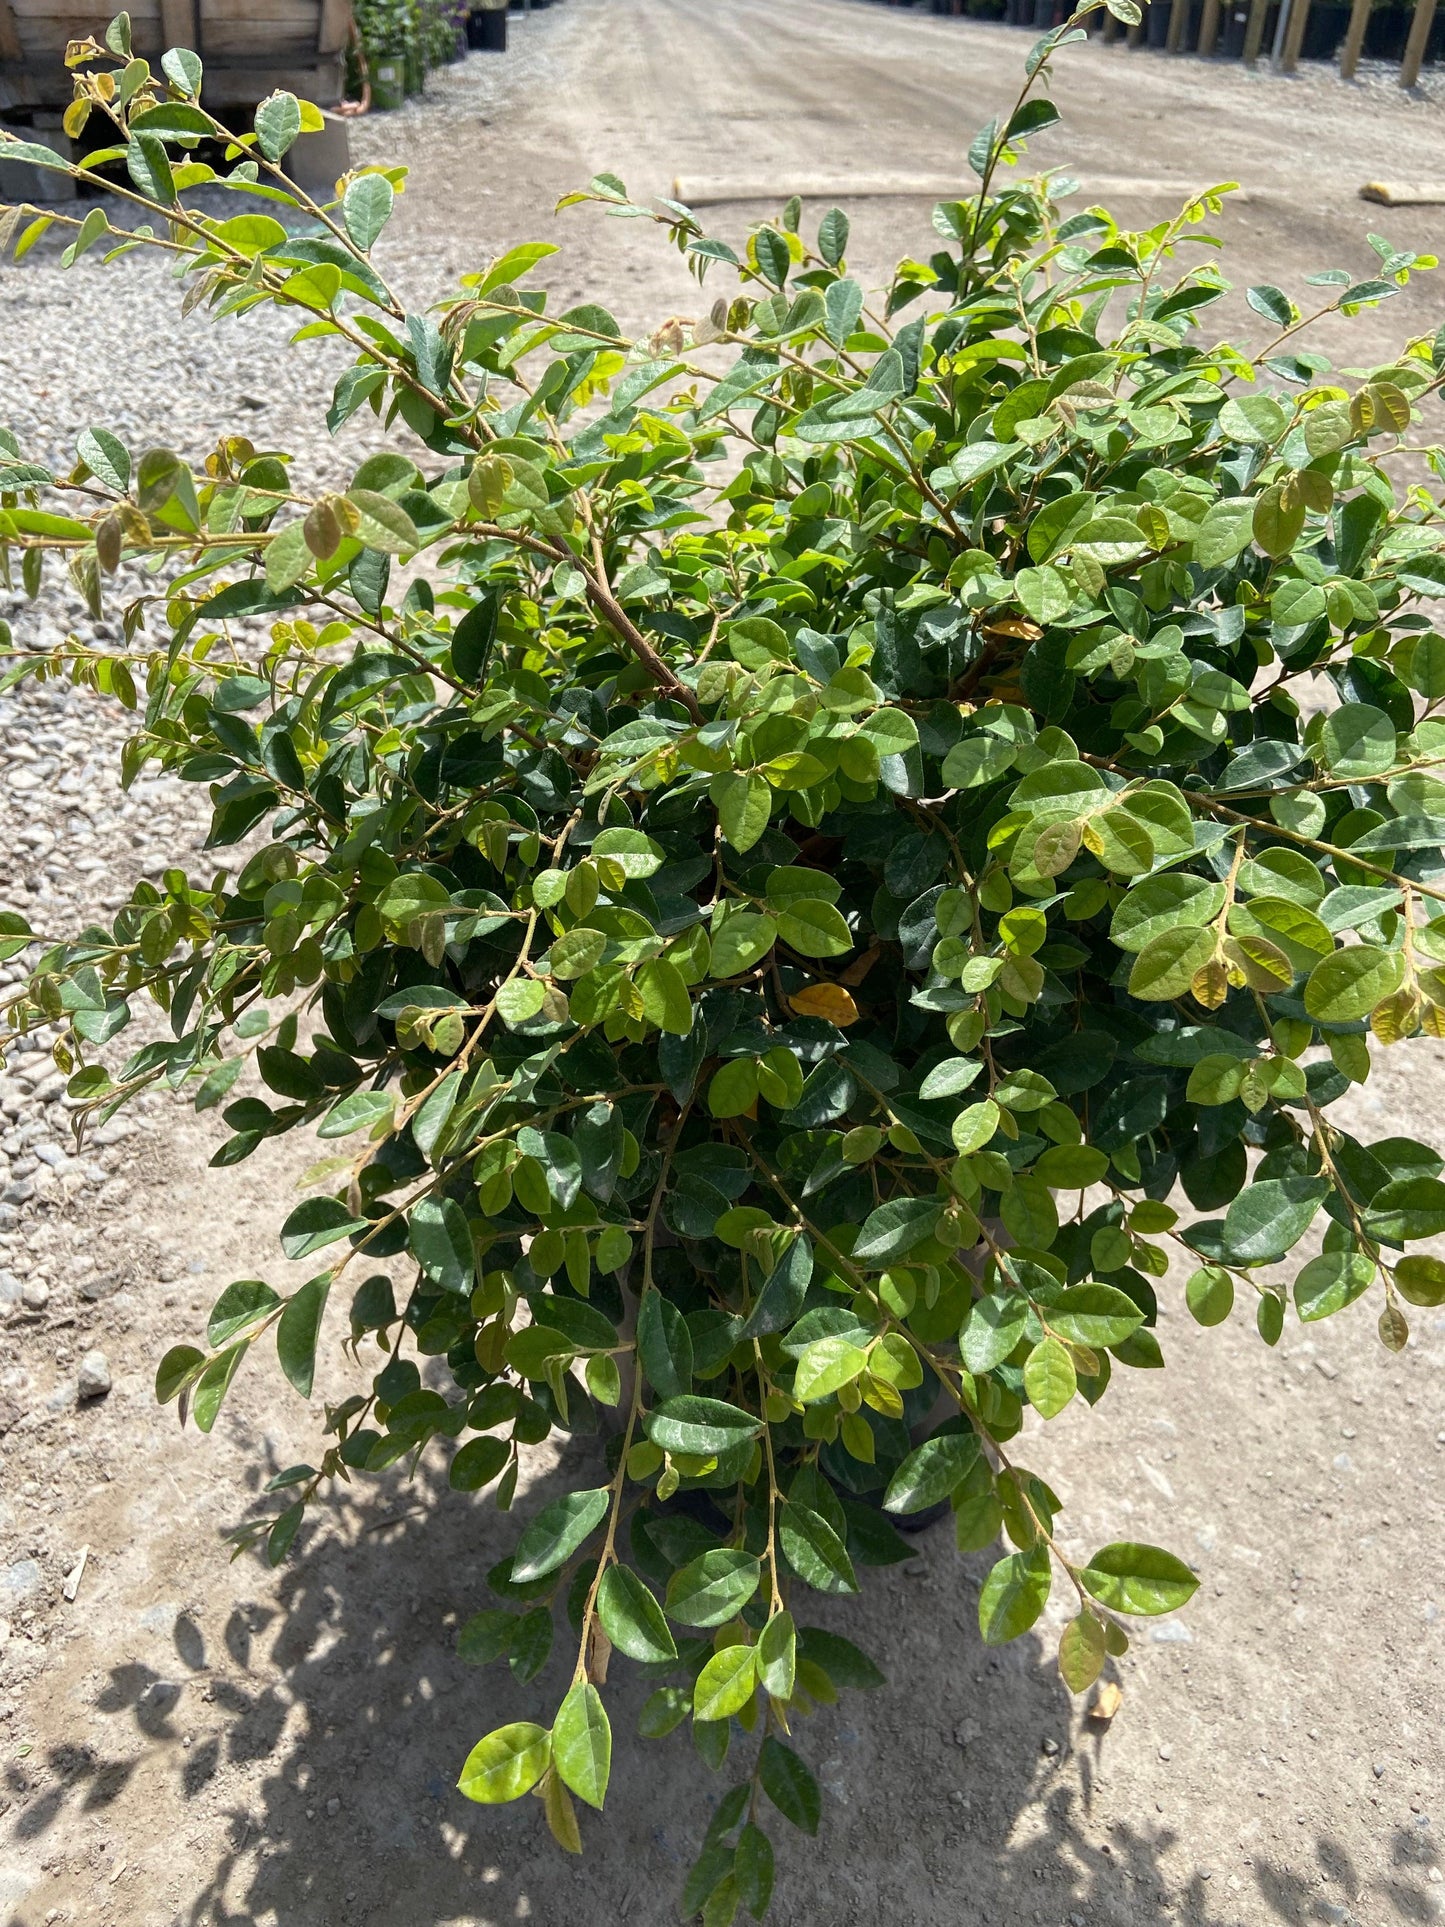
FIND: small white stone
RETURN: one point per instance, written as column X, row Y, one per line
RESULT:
column 94, row 1378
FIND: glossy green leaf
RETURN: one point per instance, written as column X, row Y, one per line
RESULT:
column 1049, row 1377
column 1013, row 1595
column 632, row 1618
column 1139, row 1579
column 1270, row 1218
column 777, row 1652
column 582, row 1743
column 725, row 1684
column 297, row 1332
column 699, row 1425
column 713, row 1587
column 506, row 1764
column 814, row 1550
column 315, row 1224
column 932, row 1472
column 557, row 1532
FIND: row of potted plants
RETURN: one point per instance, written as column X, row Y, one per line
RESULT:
column 401, row 41
column 1385, row 34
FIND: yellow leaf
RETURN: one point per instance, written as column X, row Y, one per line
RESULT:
column 1257, row 962
column 829, row 1001
column 1107, row 1701
column 561, row 1815
column 1018, row 626
column 1397, row 1017
column 1210, row 985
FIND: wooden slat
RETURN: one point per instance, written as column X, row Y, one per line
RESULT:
column 234, row 85
column 260, row 17
column 1209, row 27
column 242, row 13
column 1419, row 39
column 335, row 28
column 271, row 43
column 1254, row 32
column 236, row 46
column 178, row 23
column 1178, row 21
column 1354, row 39
column 10, row 48
column 80, row 19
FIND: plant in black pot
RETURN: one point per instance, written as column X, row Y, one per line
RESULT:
column 807, row 870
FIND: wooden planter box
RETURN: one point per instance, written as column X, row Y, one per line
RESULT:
column 250, row 47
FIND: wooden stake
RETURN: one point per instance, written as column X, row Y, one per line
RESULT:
column 1354, row 39
column 1419, row 39
column 1254, row 32
column 1208, row 27
column 1178, row 21
column 1299, row 14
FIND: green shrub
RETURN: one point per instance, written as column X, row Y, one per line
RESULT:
column 832, row 778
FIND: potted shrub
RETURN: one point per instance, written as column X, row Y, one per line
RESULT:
column 838, row 861
column 383, row 29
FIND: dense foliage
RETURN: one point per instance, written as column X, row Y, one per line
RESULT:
column 794, row 865
column 430, row 28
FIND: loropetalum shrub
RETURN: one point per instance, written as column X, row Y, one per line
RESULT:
column 795, row 864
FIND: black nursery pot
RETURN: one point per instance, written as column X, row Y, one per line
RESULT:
column 1324, row 32
column 487, row 32
column 1231, row 38
column 1157, row 23
column 1386, row 32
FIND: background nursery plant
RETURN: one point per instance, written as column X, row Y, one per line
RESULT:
column 774, row 851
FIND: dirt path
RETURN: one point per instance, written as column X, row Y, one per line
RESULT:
column 192, row 1742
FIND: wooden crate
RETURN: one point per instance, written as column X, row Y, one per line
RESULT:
column 250, row 47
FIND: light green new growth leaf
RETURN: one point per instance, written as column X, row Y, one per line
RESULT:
column 725, row 1684
column 582, row 1743
column 1013, row 1595
column 506, row 1764
column 1049, row 1378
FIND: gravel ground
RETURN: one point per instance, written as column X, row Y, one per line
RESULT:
column 194, row 1742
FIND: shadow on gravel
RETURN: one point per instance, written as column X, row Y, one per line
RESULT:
column 347, row 1695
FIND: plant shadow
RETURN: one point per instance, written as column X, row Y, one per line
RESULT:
column 328, row 1714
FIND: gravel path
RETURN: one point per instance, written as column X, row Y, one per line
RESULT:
column 194, row 1742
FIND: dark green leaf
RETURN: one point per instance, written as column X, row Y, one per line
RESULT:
column 932, row 1471
column 632, row 1618
column 814, row 1550
column 556, row 1533
column 298, row 1329
column 315, row 1224
column 712, row 1588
